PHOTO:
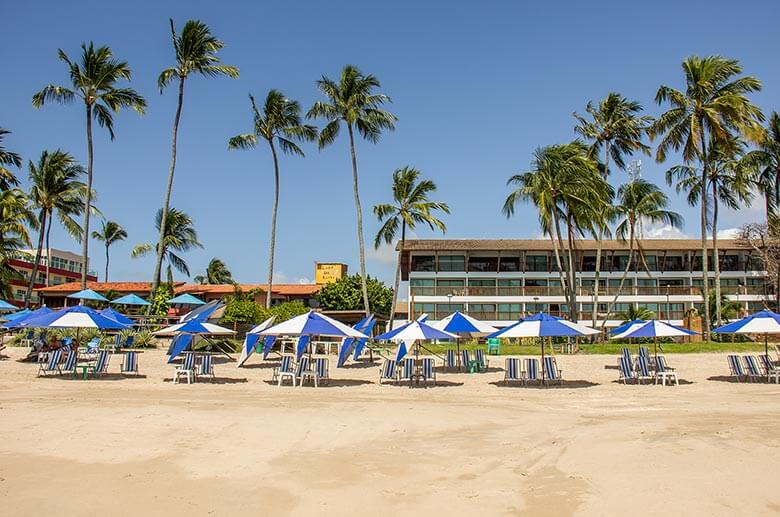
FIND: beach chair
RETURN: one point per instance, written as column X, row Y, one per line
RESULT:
column 407, row 370
column 626, row 354
column 770, row 370
column 129, row 363
column 52, row 364
column 664, row 371
column 388, row 372
column 494, row 346
column 426, row 368
column 93, row 345
column 101, row 365
column 531, row 371
column 644, row 352
column 28, row 339
column 735, row 367
column 626, row 369
column 551, row 371
column 643, row 371
column 187, row 369
column 285, row 367
column 67, row 343
column 129, row 341
column 450, row 360
column 751, row 368
column 117, row 344
column 479, row 357
column 512, row 371
column 321, row 369
column 303, row 371
column 465, row 359
column 206, row 367
column 69, row 366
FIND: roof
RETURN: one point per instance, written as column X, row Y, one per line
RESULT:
column 546, row 245
column 121, row 287
column 182, row 288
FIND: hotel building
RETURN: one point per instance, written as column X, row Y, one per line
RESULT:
column 62, row 267
column 500, row 281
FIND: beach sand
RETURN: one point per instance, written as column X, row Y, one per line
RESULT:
column 130, row 446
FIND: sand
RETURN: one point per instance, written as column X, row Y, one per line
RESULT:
column 130, row 446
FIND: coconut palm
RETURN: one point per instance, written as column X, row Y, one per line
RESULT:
column 411, row 205
column 55, row 189
column 766, row 159
column 713, row 107
column 635, row 313
column 280, row 121
column 94, row 81
column 7, row 158
column 110, row 233
column 353, row 101
column 730, row 179
column 216, row 273
column 180, row 236
column 639, row 200
column 16, row 216
column 196, row 53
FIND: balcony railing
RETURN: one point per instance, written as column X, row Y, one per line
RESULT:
column 583, row 315
column 539, row 291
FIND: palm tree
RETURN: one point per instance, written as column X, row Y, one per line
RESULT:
column 635, row 313
column 55, row 188
column 93, row 81
column 15, row 217
column 216, row 273
column 279, row 122
column 766, row 158
column 180, row 236
column 730, row 180
column 196, row 52
column 616, row 126
column 639, row 200
column 713, row 106
column 411, row 205
column 354, row 102
column 110, row 232
column 7, row 158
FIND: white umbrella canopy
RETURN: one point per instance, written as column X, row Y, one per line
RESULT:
column 458, row 322
column 312, row 324
column 194, row 327
column 652, row 328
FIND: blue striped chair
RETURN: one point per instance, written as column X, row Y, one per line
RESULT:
column 663, row 371
column 321, row 369
column 751, row 367
column 643, row 369
column 130, row 363
column 206, row 366
column 626, row 369
column 428, row 374
column 479, row 357
column 303, row 371
column 552, row 374
column 187, row 369
column 512, row 371
column 407, row 370
column 70, row 362
column 735, row 368
column 101, row 365
column 465, row 359
column 129, row 341
column 388, row 372
column 645, row 352
column 770, row 370
column 450, row 360
column 52, row 364
column 93, row 345
column 626, row 354
column 531, row 371
column 285, row 366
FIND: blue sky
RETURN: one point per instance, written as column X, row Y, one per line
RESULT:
column 476, row 87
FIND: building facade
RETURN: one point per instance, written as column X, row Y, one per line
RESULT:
column 500, row 281
column 61, row 268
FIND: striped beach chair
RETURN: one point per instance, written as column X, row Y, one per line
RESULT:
column 643, row 369
column 479, row 357
column 407, row 370
column 129, row 363
column 751, row 368
column 69, row 366
column 288, row 371
column 321, row 369
column 465, row 359
column 625, row 353
column 206, row 366
column 129, row 341
column 285, row 366
column 450, row 360
column 187, row 369
column 644, row 352
column 531, row 371
column 388, row 372
column 552, row 374
column 626, row 369
column 664, row 371
column 512, row 371
column 101, row 365
column 428, row 374
column 735, row 368
column 770, row 370
column 303, row 371
column 52, row 364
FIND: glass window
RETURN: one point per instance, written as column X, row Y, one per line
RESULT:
column 422, row 286
column 420, row 308
column 445, row 309
column 452, row 263
column 483, row 264
column 423, row 263
column 509, row 264
column 482, row 282
column 536, row 262
column 730, row 263
column 673, row 264
column 510, row 282
column 482, row 310
column 509, row 311
column 535, row 282
column 451, row 282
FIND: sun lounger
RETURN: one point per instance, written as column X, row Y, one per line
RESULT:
column 303, row 371
column 451, row 360
column 770, row 370
column 71, row 359
column 465, row 359
column 626, row 354
column 52, row 364
column 406, row 372
column 321, row 369
column 626, row 369
column 285, row 366
column 735, row 367
column 479, row 357
column 426, row 367
column 388, row 372
column 551, row 371
column 531, row 371
column 751, row 368
column 294, row 374
column 512, row 371
column 206, row 367
column 663, row 372
column 130, row 363
column 643, row 371
column 101, row 365
column 187, row 369
column 644, row 352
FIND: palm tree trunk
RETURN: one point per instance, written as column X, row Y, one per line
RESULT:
column 704, row 258
column 39, row 250
column 573, row 312
column 168, row 190
column 564, row 274
column 107, row 260
column 48, row 251
column 597, row 276
column 625, row 272
column 397, row 281
column 272, row 246
column 359, row 222
column 87, row 202
column 715, row 257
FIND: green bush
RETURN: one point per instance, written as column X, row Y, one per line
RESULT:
column 346, row 294
column 160, row 299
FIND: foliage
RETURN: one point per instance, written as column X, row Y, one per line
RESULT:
column 141, row 338
column 345, row 295
column 216, row 273
column 241, row 307
column 180, row 235
column 635, row 313
column 8, row 158
column 284, row 311
column 159, row 300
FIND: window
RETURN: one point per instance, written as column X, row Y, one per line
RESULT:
column 423, row 263
column 670, row 282
column 589, row 263
column 482, row 282
column 422, row 286
column 509, row 311
column 422, row 308
column 483, row 264
column 755, row 264
column 536, row 262
column 673, row 264
column 482, row 310
column 510, row 286
column 533, row 308
column 453, row 287
column 445, row 309
column 730, row 263
column 534, row 282
column 509, row 264
column 452, row 263
column 450, row 282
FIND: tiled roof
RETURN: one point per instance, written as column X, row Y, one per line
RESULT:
column 546, row 245
column 225, row 289
column 121, row 287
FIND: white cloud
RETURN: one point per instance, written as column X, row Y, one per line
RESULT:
column 665, row 231
column 728, row 233
column 283, row 278
column 386, row 254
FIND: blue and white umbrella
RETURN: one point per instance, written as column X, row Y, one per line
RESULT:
column 462, row 324
column 625, row 326
column 354, row 346
column 5, row 306
column 181, row 331
column 17, row 319
column 762, row 322
column 130, row 299
column 413, row 332
column 251, row 339
column 186, row 299
column 88, row 294
column 653, row 329
column 116, row 315
column 312, row 324
column 15, row 315
column 79, row 316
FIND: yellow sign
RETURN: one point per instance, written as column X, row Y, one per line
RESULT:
column 327, row 273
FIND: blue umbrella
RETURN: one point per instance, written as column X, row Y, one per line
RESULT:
column 20, row 317
column 762, row 322
column 654, row 329
column 5, row 306
column 625, row 326
column 186, row 299
column 16, row 315
column 351, row 344
column 413, row 331
column 88, row 294
column 79, row 316
column 117, row 316
column 361, row 343
column 300, row 346
column 130, row 299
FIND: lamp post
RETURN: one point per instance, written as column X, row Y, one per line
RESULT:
column 449, row 301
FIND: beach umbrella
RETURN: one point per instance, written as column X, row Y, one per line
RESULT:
column 413, row 332
column 116, row 315
column 88, row 294
column 360, row 344
column 544, row 325
column 5, row 306
column 17, row 319
column 355, row 346
column 181, row 331
column 312, row 324
column 462, row 324
column 653, row 329
column 186, row 299
column 251, row 339
column 130, row 299
column 625, row 326
column 211, row 310
column 763, row 322
column 79, row 317
column 15, row 315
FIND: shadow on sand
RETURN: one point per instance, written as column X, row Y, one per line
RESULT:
column 568, row 384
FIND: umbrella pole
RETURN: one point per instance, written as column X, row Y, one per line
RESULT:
column 655, row 353
column 457, row 344
column 542, row 340
column 766, row 351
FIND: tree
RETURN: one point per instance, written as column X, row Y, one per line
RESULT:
column 8, row 179
column 55, row 189
column 180, row 236
column 346, row 294
column 766, row 159
column 216, row 273
column 635, row 313
column 195, row 49
column 615, row 125
column 712, row 108
column 279, row 122
column 411, row 206
column 15, row 217
column 110, row 233
column 567, row 188
column 93, row 81
column 354, row 102
column 639, row 200
column 763, row 239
